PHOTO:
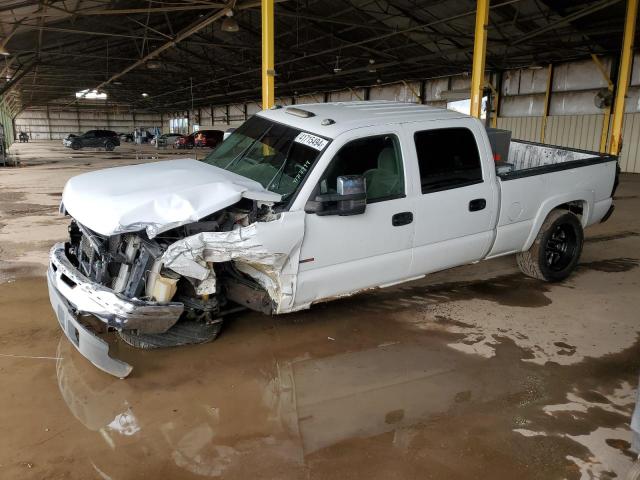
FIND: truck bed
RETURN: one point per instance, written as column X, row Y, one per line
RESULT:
column 531, row 158
column 537, row 178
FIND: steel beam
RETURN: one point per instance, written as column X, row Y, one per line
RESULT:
column 588, row 10
column 171, row 43
column 479, row 56
column 624, row 74
column 268, row 68
column 547, row 102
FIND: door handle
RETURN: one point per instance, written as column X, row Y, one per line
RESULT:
column 477, row 204
column 403, row 218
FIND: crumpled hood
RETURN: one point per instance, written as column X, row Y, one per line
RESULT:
column 155, row 196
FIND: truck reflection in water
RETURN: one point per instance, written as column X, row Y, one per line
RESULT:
column 268, row 418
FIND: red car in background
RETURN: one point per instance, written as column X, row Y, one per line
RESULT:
column 208, row 138
column 185, row 141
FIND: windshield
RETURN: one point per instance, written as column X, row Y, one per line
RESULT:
column 275, row 155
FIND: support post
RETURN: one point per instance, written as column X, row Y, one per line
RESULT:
column 624, row 73
column 496, row 100
column 479, row 54
column 606, row 118
column 547, row 99
column 268, row 67
column 49, row 121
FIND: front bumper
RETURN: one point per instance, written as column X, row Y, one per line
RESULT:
column 72, row 294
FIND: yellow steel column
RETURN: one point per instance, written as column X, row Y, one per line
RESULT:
column 479, row 53
column 624, row 73
column 268, row 68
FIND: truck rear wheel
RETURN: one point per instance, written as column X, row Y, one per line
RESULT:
column 556, row 250
column 186, row 332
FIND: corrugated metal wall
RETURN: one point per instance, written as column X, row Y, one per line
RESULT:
column 574, row 119
column 55, row 124
column 579, row 131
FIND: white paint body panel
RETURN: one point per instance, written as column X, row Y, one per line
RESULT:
column 356, row 252
column 443, row 219
column 155, row 196
column 527, row 201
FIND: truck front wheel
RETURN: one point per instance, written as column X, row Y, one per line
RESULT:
column 556, row 250
column 185, row 332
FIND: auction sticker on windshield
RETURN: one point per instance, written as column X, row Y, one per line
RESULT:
column 312, row 141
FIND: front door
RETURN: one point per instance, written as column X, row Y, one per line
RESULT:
column 341, row 255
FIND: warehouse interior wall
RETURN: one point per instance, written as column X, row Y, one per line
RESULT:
column 574, row 119
column 56, row 122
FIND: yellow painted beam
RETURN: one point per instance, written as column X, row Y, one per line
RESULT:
column 479, row 54
column 606, row 118
column 547, row 95
column 624, row 74
column 268, row 67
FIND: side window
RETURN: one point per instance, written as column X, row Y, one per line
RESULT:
column 90, row 134
column 447, row 158
column 377, row 158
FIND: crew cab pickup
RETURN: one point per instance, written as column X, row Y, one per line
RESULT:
column 307, row 203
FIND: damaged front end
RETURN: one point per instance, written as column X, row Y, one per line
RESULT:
column 176, row 287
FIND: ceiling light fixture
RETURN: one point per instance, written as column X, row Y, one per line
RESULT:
column 230, row 24
column 337, row 68
column 154, row 64
column 3, row 50
column 145, row 95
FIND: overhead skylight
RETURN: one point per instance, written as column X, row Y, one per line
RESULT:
column 91, row 95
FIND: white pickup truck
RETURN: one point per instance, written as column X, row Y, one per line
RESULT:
column 304, row 204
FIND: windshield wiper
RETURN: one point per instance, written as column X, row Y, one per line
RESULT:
column 280, row 171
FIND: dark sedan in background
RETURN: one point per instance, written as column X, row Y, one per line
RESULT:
column 106, row 139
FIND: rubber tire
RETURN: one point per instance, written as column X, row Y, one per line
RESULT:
column 76, row 146
column 182, row 333
column 109, row 146
column 533, row 263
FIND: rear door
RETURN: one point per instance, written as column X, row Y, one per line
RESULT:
column 457, row 199
column 344, row 254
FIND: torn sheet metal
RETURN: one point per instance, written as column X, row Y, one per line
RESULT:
column 266, row 251
column 155, row 196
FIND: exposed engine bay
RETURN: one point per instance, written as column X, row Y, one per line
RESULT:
column 165, row 269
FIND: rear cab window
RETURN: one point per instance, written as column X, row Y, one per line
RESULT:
column 447, row 158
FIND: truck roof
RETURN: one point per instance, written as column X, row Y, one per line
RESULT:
column 350, row 115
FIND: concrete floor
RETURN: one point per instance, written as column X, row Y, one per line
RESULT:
column 478, row 372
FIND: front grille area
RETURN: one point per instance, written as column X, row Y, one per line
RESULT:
column 119, row 262
column 90, row 252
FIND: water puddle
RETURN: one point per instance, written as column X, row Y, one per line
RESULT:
column 347, row 390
